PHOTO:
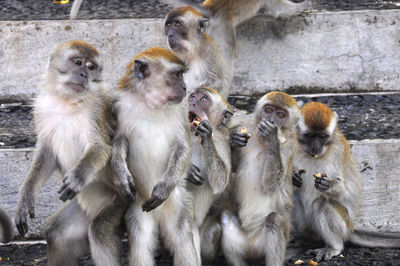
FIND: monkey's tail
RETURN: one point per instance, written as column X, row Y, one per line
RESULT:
column 75, row 9
column 6, row 227
column 375, row 239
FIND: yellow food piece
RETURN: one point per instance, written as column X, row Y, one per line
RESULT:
column 313, row 263
column 243, row 130
column 298, row 262
column 341, row 256
column 317, row 175
column 196, row 122
column 62, row 2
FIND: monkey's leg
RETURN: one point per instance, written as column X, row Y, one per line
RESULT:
column 233, row 239
column 275, row 231
column 210, row 234
column 105, row 234
column 66, row 234
column 142, row 233
column 329, row 221
column 177, row 232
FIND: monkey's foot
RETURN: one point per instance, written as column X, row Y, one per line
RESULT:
column 324, row 253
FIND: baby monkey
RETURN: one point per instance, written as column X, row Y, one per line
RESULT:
column 328, row 183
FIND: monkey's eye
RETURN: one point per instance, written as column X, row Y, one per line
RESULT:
column 268, row 110
column 169, row 24
column 178, row 24
column 192, row 98
column 91, row 67
column 77, row 62
column 323, row 136
column 204, row 98
column 179, row 74
column 281, row 115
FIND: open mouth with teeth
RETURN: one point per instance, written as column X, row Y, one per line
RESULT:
column 194, row 119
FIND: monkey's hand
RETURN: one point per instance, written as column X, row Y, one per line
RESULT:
column 160, row 194
column 72, row 184
column 125, row 186
column 204, row 130
column 27, row 206
column 322, row 183
column 297, row 180
column 267, row 131
column 194, row 176
column 238, row 139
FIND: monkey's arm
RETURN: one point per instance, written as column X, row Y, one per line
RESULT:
column 177, row 164
column 95, row 158
column 273, row 172
column 218, row 169
column 122, row 177
column 43, row 165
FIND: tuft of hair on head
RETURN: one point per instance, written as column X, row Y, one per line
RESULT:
column 281, row 99
column 83, row 47
column 317, row 116
column 180, row 11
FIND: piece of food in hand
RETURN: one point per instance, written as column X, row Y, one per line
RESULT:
column 244, row 131
column 317, row 175
column 196, row 121
column 313, row 263
column 316, row 156
column 298, row 262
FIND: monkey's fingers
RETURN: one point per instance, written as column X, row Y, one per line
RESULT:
column 302, row 171
column 21, row 224
column 297, row 181
column 32, row 211
column 195, row 179
column 151, row 204
column 67, row 194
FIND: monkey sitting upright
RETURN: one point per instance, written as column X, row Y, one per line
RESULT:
column 262, row 186
column 328, row 195
column 225, row 15
column 186, row 31
column 73, row 122
column 152, row 146
column 211, row 164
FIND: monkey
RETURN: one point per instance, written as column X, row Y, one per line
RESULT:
column 210, row 165
column 259, row 227
column 74, row 125
column 225, row 15
column 328, row 186
column 152, row 145
column 6, row 226
column 75, row 9
column 185, row 29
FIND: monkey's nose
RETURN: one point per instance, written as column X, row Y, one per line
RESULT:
column 83, row 74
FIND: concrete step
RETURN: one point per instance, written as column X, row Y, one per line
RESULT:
column 378, row 162
column 315, row 52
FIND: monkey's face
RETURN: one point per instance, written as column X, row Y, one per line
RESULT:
column 75, row 74
column 184, row 29
column 205, row 105
column 314, row 143
column 159, row 81
column 275, row 115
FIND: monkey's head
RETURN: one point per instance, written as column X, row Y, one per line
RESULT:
column 207, row 104
column 316, row 128
column 157, row 75
column 281, row 110
column 185, row 27
column 74, row 70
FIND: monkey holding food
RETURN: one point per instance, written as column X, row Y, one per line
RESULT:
column 328, row 183
column 262, row 185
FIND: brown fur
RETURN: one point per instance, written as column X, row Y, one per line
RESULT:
column 281, row 99
column 83, row 47
column 317, row 115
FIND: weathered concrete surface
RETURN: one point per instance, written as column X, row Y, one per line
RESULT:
column 341, row 51
column 378, row 161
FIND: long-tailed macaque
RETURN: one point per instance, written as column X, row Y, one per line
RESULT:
column 153, row 147
column 328, row 183
column 262, row 186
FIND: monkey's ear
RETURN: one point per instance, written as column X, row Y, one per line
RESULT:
column 202, row 27
column 141, row 69
column 226, row 117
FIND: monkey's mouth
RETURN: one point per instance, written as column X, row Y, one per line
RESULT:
column 75, row 87
column 193, row 117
